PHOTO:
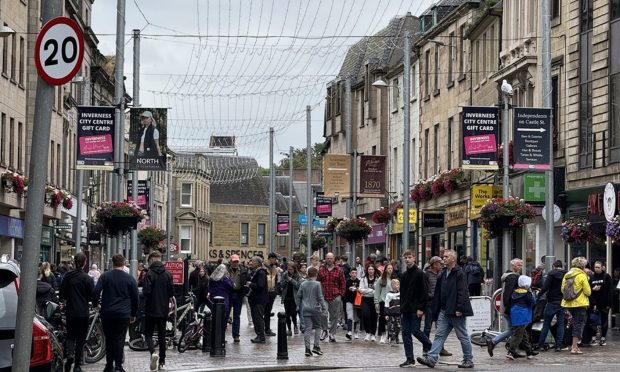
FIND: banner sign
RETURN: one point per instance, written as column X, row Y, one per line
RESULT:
column 143, row 194
column 323, row 206
column 534, row 187
column 282, row 222
column 336, row 174
column 95, row 138
column 479, row 196
column 175, row 268
column 456, row 215
column 531, row 133
column 147, row 137
column 244, row 253
column 480, row 126
column 372, row 175
column 377, row 235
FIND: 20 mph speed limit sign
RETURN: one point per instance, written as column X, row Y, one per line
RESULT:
column 59, row 51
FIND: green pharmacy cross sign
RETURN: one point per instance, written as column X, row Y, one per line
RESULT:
column 534, row 187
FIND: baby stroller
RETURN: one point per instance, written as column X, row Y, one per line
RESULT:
column 392, row 313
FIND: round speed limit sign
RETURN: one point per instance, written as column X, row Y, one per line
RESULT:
column 59, row 51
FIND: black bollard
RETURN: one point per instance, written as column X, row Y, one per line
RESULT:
column 218, row 326
column 282, row 341
column 206, row 330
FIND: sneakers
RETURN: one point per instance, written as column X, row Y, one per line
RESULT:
column 603, row 342
column 236, row 339
column 367, row 338
column 289, row 333
column 425, row 361
column 154, row 361
column 373, row 338
column 323, row 335
column 490, row 347
column 466, row 364
column 532, row 353
column 162, row 366
column 296, row 330
column 269, row 332
column 348, row 335
column 258, row 340
column 356, row 335
column 383, row 339
column 445, row 353
column 332, row 338
column 407, row 363
column 317, row 350
column 308, row 352
column 513, row 354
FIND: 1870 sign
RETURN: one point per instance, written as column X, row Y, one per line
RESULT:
column 372, row 175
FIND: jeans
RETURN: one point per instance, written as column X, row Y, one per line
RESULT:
column 302, row 321
column 445, row 324
column 77, row 328
column 268, row 308
column 258, row 317
column 552, row 310
column 352, row 317
column 160, row 324
column 334, row 309
column 236, row 302
column 428, row 318
column 290, row 309
column 504, row 335
column 411, row 326
column 115, row 330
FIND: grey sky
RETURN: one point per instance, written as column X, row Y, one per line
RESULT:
column 195, row 61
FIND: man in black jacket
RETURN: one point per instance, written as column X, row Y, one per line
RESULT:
column 239, row 276
column 602, row 297
column 76, row 289
column 157, row 293
column 413, row 296
column 258, row 297
column 451, row 307
column 119, row 304
column 552, row 286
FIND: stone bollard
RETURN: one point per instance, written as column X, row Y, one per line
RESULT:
column 206, row 330
column 218, row 327
column 282, row 341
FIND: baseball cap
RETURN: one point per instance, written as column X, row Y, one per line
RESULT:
column 434, row 259
column 146, row 114
column 234, row 258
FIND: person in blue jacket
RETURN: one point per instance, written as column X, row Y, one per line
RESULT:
column 523, row 302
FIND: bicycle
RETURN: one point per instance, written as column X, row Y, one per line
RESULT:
column 191, row 338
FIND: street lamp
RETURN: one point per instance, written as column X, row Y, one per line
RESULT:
column 6, row 31
column 507, row 95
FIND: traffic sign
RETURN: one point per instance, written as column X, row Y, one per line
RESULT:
column 497, row 301
column 59, row 50
column 532, row 131
column 176, row 269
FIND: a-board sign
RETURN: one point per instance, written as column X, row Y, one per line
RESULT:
column 175, row 268
column 482, row 318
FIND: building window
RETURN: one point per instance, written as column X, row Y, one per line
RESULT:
column 52, row 158
column 451, row 59
column 427, row 61
column 244, row 233
column 13, row 56
column 484, row 55
column 374, row 150
column 585, row 87
column 282, row 241
column 5, row 54
column 395, row 167
column 12, row 143
column 337, row 97
column 328, row 104
column 186, row 195
column 426, row 157
column 58, row 165
column 555, row 105
column 3, row 139
column 615, row 9
column 461, row 49
column 186, row 238
column 260, row 237
column 211, row 234
column 614, row 83
column 436, row 85
column 414, row 83
column 395, row 94
column 450, row 123
column 22, row 52
column 555, row 8
column 436, row 149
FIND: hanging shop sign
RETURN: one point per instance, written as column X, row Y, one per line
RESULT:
column 336, row 175
column 435, row 220
column 283, row 223
column 534, row 187
column 147, row 139
column 479, row 196
column 400, row 215
column 372, row 176
column 95, row 131
column 531, row 134
column 143, row 194
column 456, row 215
column 323, row 205
column 480, row 128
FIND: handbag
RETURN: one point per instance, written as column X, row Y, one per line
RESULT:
column 358, row 299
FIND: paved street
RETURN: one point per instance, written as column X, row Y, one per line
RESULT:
column 360, row 355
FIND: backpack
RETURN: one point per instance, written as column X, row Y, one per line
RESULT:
column 569, row 293
column 537, row 275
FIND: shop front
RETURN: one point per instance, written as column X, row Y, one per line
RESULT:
column 376, row 240
column 433, row 237
column 456, row 225
column 11, row 236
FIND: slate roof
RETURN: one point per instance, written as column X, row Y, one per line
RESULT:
column 251, row 191
column 438, row 11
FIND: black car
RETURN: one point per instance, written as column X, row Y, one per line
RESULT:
column 47, row 354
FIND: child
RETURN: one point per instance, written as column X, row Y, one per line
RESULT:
column 392, row 312
column 353, row 283
column 523, row 302
column 310, row 296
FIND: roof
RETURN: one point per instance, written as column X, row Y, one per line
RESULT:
column 437, row 12
column 251, row 191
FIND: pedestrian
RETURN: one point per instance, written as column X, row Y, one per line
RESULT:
column 369, row 315
column 142, row 270
column 475, row 276
column 451, row 307
column 346, row 268
column 509, row 284
column 413, row 298
column 521, row 309
column 310, row 294
column 273, row 284
column 290, row 282
column 94, row 273
column 392, row 312
column 352, row 285
column 381, row 290
column 575, row 291
column 315, row 261
column 201, row 289
column 239, row 276
column 193, row 275
column 333, row 284
column 600, row 300
column 119, row 304
column 157, row 292
column 258, row 297
column 48, row 276
column 303, row 275
column 552, row 287
column 76, row 290
column 220, row 285
column 360, row 267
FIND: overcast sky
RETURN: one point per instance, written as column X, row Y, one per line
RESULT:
column 197, row 60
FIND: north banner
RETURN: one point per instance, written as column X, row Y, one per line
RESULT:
column 480, row 127
column 147, row 136
column 95, row 144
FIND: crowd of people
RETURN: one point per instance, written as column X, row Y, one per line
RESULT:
column 375, row 298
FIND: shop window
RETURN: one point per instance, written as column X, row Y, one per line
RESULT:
column 261, row 234
column 245, row 227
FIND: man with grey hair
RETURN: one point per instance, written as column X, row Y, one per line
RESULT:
column 509, row 284
column 258, row 297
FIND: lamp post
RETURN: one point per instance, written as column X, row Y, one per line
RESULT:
column 506, row 94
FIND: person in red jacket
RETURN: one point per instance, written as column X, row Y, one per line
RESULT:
column 332, row 280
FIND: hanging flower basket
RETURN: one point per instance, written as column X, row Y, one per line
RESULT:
column 453, row 179
column 437, row 187
column 395, row 207
column 353, row 230
column 576, row 230
column 118, row 217
column 151, row 237
column 331, row 224
column 424, row 190
column 613, row 229
column 14, row 182
column 116, row 225
column 499, row 214
column 381, row 215
column 318, row 241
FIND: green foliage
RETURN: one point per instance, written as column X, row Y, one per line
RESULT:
column 299, row 158
column 150, row 236
column 318, row 241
